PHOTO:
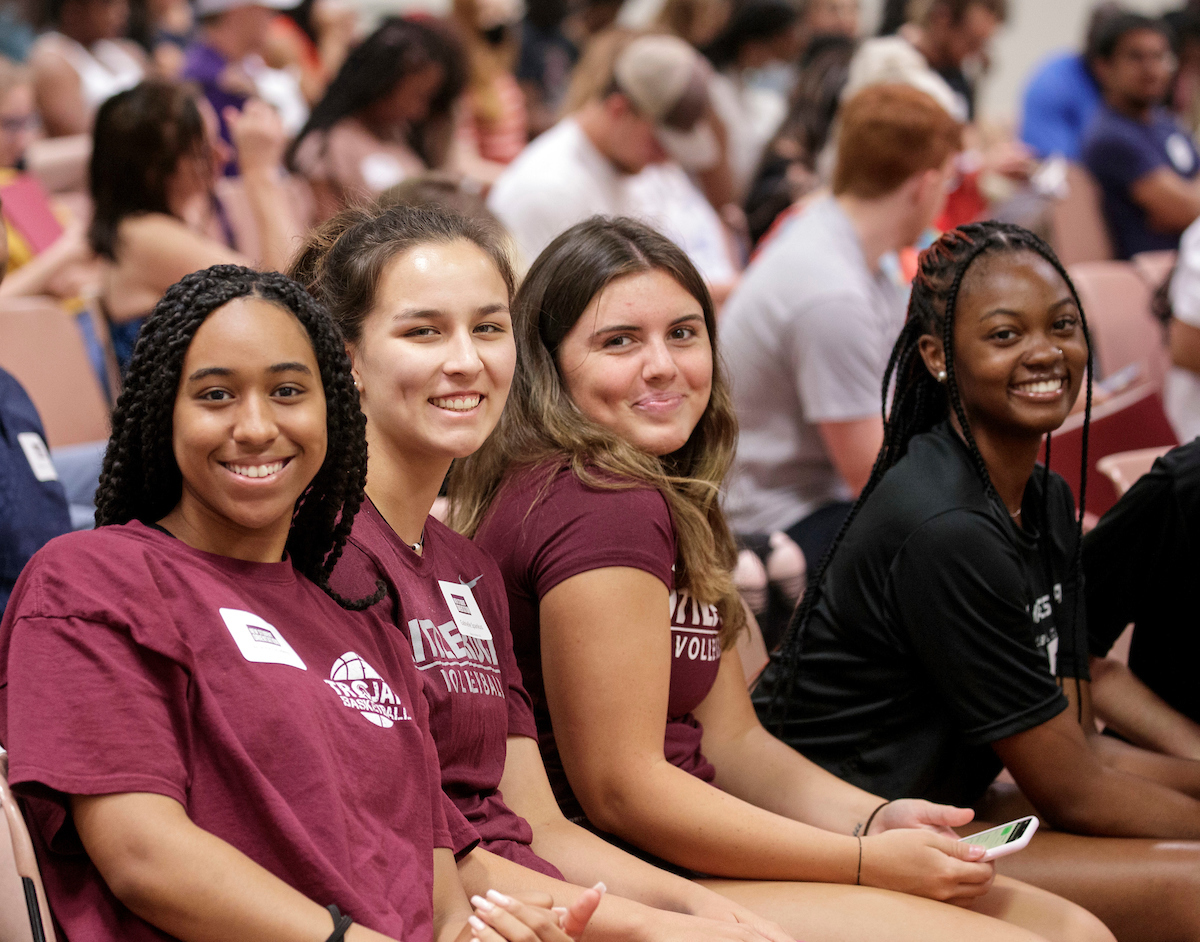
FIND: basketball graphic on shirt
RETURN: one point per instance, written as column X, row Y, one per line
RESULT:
column 362, row 688
column 352, row 667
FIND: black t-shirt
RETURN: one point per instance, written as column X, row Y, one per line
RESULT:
column 1142, row 564
column 940, row 629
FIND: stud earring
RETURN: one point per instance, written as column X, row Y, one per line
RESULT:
column 941, row 376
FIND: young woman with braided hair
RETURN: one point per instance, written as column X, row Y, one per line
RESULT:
column 598, row 497
column 943, row 635
column 210, row 743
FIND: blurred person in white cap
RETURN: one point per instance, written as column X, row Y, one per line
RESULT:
column 83, row 60
column 225, row 60
column 638, row 113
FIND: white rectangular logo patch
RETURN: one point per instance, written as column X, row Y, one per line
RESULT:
column 465, row 610
column 259, row 641
column 38, row 456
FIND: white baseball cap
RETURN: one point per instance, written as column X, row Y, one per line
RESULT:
column 666, row 80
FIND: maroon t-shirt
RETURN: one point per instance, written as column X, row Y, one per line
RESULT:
column 471, row 681
column 285, row 725
column 542, row 535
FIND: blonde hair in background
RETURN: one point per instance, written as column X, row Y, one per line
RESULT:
column 485, row 62
column 696, row 21
column 592, row 79
column 542, row 427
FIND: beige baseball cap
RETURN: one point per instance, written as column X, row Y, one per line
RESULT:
column 666, row 80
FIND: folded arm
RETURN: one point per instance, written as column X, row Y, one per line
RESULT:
column 1135, row 711
column 1065, row 774
column 606, row 659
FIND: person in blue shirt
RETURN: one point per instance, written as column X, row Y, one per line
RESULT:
column 33, row 504
column 1141, row 156
column 1063, row 95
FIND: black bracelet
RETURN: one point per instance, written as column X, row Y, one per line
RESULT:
column 873, row 813
column 340, row 924
column 858, row 877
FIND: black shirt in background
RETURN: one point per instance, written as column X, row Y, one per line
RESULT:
column 940, row 629
column 1143, row 566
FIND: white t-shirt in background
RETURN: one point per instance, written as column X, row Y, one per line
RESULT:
column 561, row 179
column 806, row 337
column 1181, row 390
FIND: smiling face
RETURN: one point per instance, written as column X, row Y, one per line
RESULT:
column 436, row 355
column 249, row 431
column 1020, row 354
column 639, row 361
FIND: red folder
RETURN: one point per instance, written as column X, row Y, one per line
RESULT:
column 27, row 209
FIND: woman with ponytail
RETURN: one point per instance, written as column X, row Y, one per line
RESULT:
column 943, row 635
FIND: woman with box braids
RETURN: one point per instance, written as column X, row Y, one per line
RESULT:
column 141, row 479
column 942, row 638
column 920, row 401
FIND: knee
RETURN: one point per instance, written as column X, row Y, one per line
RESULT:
column 1081, row 926
column 1178, row 900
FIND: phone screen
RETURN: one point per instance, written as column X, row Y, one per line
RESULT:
column 997, row 837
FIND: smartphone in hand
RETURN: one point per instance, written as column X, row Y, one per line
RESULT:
column 1005, row 839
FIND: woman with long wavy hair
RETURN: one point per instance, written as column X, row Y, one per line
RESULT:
column 599, row 498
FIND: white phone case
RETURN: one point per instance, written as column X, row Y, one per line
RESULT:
column 1009, row 847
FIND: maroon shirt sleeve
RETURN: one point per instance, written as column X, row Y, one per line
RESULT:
column 573, row 529
column 520, row 706
column 92, row 713
column 463, row 837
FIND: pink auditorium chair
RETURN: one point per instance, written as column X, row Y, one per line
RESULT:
column 1080, row 233
column 1155, row 267
column 1116, row 300
column 24, row 912
column 40, row 344
column 1131, row 420
column 1125, row 467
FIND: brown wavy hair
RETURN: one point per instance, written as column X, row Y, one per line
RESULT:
column 542, row 426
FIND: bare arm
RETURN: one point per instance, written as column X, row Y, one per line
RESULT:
column 59, row 95
column 584, row 857
column 155, row 252
column 190, row 883
column 614, row 623
column 37, row 275
column 1171, row 203
column 616, row 919
column 259, row 139
column 1185, row 345
column 852, row 448
column 1066, row 778
column 1138, row 713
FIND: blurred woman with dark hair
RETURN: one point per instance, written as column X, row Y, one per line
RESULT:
column 82, row 61
column 155, row 217
column 385, row 116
